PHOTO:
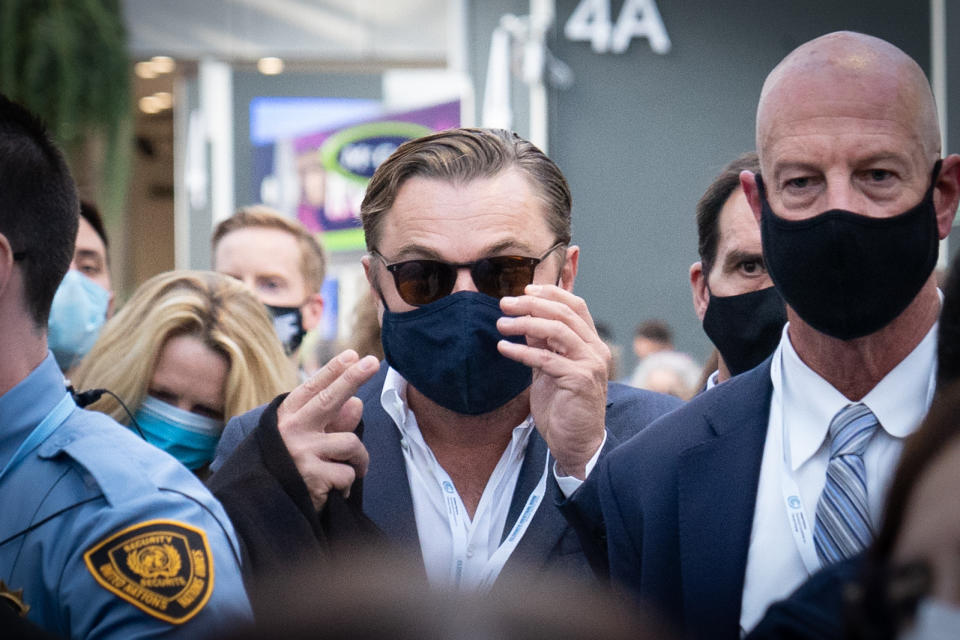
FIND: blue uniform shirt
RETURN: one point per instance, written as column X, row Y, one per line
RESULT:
column 106, row 535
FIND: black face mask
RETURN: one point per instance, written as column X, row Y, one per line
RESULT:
column 745, row 328
column 288, row 323
column 849, row 275
column 447, row 350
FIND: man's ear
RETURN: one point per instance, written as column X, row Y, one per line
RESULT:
column 312, row 311
column 367, row 269
column 946, row 195
column 570, row 265
column 698, row 287
column 748, row 182
column 6, row 262
column 373, row 291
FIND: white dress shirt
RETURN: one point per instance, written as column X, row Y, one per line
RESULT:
column 712, row 380
column 442, row 521
column 801, row 408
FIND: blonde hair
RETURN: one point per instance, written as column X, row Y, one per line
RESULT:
column 216, row 308
column 312, row 259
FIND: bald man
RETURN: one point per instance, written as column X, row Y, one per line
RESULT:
column 730, row 502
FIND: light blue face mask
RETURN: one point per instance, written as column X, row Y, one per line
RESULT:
column 188, row 437
column 78, row 312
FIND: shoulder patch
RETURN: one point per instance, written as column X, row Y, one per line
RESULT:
column 160, row 566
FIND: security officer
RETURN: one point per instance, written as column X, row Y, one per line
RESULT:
column 101, row 535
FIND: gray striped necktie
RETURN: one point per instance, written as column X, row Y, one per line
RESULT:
column 842, row 526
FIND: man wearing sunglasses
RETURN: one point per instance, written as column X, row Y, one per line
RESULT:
column 489, row 355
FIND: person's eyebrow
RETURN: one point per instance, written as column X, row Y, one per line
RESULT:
column 736, row 256
column 414, row 251
column 88, row 254
column 780, row 169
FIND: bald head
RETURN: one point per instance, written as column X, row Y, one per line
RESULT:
column 852, row 75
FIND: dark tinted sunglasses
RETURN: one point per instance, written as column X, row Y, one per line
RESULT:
column 421, row 282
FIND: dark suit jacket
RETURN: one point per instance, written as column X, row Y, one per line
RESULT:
column 549, row 541
column 677, row 501
column 817, row 609
column 273, row 515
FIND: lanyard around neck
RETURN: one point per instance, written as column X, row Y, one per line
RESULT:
column 456, row 519
column 799, row 523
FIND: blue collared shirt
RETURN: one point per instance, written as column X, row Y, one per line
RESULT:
column 106, row 535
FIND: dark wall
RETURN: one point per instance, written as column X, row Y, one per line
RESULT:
column 641, row 135
column 953, row 101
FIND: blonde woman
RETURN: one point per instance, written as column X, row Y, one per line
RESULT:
column 190, row 350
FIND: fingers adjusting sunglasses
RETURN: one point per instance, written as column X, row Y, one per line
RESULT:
column 423, row 281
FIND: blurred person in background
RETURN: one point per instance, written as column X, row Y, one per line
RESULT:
column 190, row 350
column 84, row 299
column 101, row 534
column 281, row 262
column 670, row 372
column 650, row 337
column 733, row 295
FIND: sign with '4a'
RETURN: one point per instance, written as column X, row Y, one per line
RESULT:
column 590, row 22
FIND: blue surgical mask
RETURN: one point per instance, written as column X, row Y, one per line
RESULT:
column 448, row 351
column 188, row 437
column 78, row 312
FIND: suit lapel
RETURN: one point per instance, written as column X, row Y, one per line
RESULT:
column 548, row 524
column 717, row 491
column 386, row 490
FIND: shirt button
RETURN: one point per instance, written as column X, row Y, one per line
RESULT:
column 470, row 551
column 403, row 444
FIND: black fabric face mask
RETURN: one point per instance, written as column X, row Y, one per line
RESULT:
column 849, row 275
column 447, row 350
column 288, row 323
column 745, row 328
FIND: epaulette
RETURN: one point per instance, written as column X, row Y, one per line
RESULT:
column 122, row 465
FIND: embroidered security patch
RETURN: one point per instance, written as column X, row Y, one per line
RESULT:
column 161, row 566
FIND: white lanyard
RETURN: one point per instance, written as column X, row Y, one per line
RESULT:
column 458, row 529
column 800, row 525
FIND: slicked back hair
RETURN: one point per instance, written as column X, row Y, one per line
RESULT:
column 459, row 156
column 712, row 201
column 39, row 208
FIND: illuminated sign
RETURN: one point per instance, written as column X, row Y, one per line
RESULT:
column 590, row 22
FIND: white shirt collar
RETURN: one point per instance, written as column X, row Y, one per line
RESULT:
column 712, row 380
column 897, row 400
column 393, row 397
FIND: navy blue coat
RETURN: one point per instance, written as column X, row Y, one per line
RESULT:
column 677, row 501
column 550, row 542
